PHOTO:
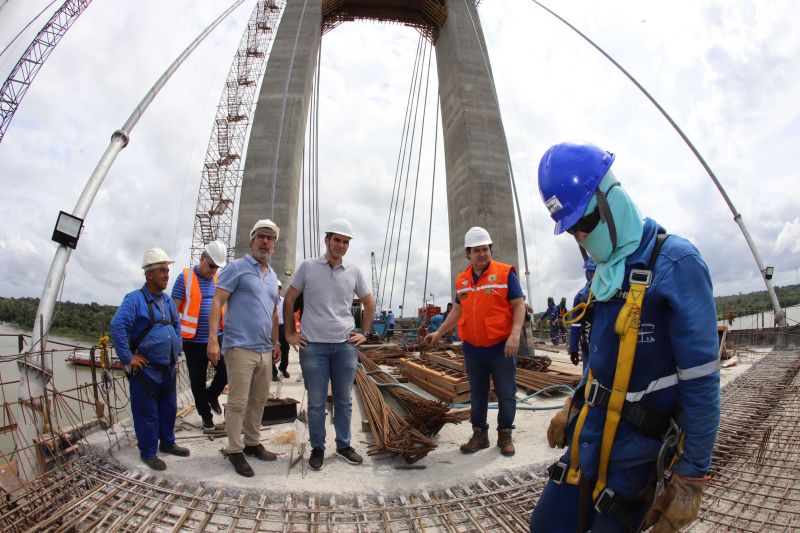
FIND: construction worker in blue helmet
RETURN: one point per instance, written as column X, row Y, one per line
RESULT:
column 579, row 318
column 652, row 381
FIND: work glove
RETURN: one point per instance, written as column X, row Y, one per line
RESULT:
column 556, row 431
column 678, row 505
column 575, row 358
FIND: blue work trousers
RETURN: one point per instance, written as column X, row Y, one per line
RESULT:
column 320, row 362
column 153, row 418
column 502, row 370
column 555, row 333
column 558, row 506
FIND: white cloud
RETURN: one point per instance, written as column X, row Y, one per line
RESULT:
column 726, row 72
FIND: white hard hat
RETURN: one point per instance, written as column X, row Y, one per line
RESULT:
column 340, row 226
column 218, row 253
column 476, row 236
column 155, row 257
column 265, row 224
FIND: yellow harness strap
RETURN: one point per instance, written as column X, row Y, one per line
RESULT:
column 627, row 327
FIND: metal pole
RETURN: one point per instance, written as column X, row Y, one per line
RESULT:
column 34, row 377
column 780, row 320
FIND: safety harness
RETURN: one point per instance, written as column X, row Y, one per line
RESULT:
column 644, row 419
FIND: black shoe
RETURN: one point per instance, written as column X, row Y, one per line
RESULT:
column 317, row 456
column 208, row 423
column 350, row 455
column 274, row 377
column 259, row 451
column 214, row 404
column 155, row 463
column 285, row 373
column 241, row 465
column 180, row 451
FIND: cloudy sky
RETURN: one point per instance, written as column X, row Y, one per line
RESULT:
column 724, row 69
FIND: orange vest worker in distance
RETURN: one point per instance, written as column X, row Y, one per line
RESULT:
column 485, row 312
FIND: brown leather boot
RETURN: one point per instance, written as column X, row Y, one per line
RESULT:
column 505, row 442
column 478, row 441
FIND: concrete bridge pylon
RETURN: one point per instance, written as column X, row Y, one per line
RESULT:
column 478, row 184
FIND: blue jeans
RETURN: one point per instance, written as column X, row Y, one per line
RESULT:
column 336, row 362
column 503, row 371
column 556, row 510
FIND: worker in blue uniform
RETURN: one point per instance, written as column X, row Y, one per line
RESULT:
column 551, row 315
column 147, row 337
column 645, row 388
column 579, row 329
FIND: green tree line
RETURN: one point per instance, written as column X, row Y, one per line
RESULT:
column 82, row 321
column 755, row 302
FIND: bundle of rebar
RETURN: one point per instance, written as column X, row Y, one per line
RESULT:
column 533, row 381
column 539, row 363
column 385, row 355
column 391, row 433
column 428, row 416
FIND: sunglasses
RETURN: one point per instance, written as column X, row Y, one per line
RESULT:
column 587, row 223
column 212, row 266
column 265, row 237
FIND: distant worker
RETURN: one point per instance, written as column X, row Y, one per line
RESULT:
column 435, row 322
column 448, row 309
column 489, row 311
column 147, row 338
column 390, row 324
column 284, row 365
column 551, row 316
column 582, row 315
column 328, row 340
column 193, row 307
column 653, row 362
column 250, row 345
column 562, row 328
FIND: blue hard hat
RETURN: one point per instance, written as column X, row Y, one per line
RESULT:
column 569, row 173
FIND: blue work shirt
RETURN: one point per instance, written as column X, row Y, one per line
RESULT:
column 551, row 313
column 514, row 292
column 161, row 345
column 676, row 367
column 252, row 300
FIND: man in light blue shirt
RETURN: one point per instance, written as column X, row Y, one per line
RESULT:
column 250, row 345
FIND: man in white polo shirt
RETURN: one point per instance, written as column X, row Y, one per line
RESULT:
column 327, row 340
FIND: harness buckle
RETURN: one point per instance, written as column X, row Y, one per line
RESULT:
column 591, row 395
column 641, row 277
column 605, row 502
column 558, row 472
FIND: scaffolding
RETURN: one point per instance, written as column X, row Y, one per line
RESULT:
column 223, row 166
column 31, row 62
column 426, row 16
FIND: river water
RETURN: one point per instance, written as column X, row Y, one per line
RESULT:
column 67, row 376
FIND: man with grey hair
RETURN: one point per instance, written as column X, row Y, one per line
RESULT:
column 147, row 339
column 249, row 287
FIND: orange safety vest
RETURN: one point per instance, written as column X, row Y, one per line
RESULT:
column 486, row 314
column 190, row 309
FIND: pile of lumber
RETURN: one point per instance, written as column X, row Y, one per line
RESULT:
column 445, row 383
